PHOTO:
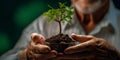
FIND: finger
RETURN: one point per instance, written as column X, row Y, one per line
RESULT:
column 37, row 38
column 81, row 38
column 80, row 47
column 39, row 49
column 46, row 56
column 76, row 56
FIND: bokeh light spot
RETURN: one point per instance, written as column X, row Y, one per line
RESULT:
column 25, row 14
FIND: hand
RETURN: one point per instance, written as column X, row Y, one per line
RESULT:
column 37, row 50
column 90, row 48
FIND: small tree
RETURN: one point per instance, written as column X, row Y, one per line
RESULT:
column 61, row 15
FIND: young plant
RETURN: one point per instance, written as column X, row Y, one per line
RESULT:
column 61, row 15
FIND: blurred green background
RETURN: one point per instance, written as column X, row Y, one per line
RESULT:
column 15, row 15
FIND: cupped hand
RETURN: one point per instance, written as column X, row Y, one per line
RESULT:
column 90, row 48
column 37, row 50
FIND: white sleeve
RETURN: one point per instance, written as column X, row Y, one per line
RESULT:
column 23, row 42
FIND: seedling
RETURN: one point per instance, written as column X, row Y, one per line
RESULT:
column 60, row 15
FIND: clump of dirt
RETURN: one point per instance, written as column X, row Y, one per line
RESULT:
column 60, row 42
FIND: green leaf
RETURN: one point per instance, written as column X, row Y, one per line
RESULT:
column 63, row 13
column 50, row 20
column 50, row 7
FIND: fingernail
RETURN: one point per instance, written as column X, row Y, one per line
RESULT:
column 73, row 34
column 67, row 51
column 46, row 51
column 35, row 37
column 54, row 53
column 33, row 34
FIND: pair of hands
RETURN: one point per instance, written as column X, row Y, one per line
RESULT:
column 90, row 48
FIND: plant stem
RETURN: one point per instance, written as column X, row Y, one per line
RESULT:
column 60, row 27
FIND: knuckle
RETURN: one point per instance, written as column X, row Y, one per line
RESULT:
column 36, row 52
column 45, row 50
column 100, row 42
column 33, row 35
column 41, row 49
column 30, row 55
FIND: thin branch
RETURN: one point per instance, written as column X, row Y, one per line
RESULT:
column 60, row 27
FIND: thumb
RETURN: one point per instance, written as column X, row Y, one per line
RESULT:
column 81, row 38
column 37, row 38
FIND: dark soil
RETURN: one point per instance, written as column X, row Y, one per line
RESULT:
column 59, row 42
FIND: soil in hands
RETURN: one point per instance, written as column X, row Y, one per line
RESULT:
column 59, row 42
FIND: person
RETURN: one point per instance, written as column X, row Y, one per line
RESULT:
column 95, row 25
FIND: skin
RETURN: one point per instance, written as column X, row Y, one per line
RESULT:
column 88, row 44
column 84, row 4
column 86, row 7
column 38, row 51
